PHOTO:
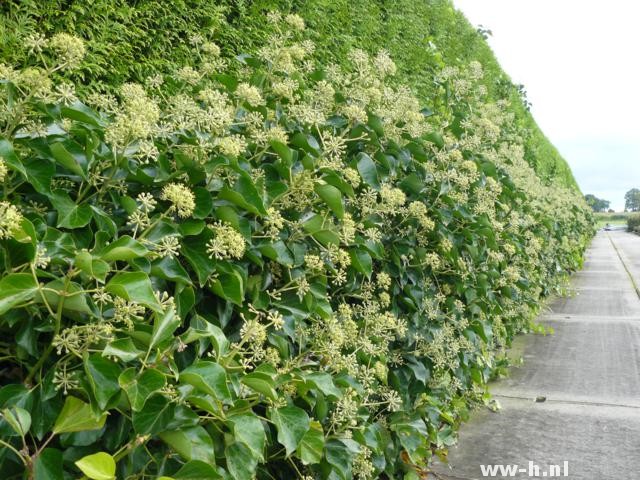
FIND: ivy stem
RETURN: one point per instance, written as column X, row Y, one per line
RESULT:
column 56, row 331
column 13, row 449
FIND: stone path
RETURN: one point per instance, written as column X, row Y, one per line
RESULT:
column 589, row 372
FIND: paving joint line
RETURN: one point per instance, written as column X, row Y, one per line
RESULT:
column 633, row 282
column 572, row 402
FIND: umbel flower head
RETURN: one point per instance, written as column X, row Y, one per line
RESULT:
column 182, row 199
column 227, row 242
column 10, row 218
column 69, row 48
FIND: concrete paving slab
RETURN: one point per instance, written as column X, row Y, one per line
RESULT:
column 589, row 361
column 607, row 303
column 588, row 373
column 598, row 442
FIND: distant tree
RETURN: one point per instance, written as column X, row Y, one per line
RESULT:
column 632, row 200
column 597, row 204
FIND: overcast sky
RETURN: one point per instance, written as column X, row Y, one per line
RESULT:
column 579, row 62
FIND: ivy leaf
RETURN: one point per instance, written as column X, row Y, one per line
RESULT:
column 230, row 286
column 93, row 267
column 70, row 215
column 15, row 289
column 164, row 325
column 9, row 155
column 154, row 417
column 368, row 171
column 103, row 378
column 122, row 348
column 312, row 445
column 279, row 252
column 48, row 465
column 139, row 387
column 81, row 113
column 192, row 443
column 67, row 159
column 340, row 457
column 323, row 382
column 291, row 423
column 99, row 466
column 40, row 172
column 18, row 418
column 249, row 430
column 124, row 248
column 361, row 261
column 197, row 470
column 134, row 287
column 208, row 377
column 241, row 462
column 261, row 382
column 77, row 416
column 170, row 269
column 244, row 194
column 332, row 197
column 204, row 203
column 75, row 299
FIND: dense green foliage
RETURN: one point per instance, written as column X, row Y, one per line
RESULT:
column 632, row 200
column 633, row 222
column 129, row 40
column 260, row 267
column 597, row 204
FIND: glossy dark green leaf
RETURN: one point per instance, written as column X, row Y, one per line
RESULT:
column 170, row 268
column 48, row 465
column 40, row 172
column 192, row 443
column 122, row 348
column 103, row 376
column 323, row 382
column 135, row 287
column 197, row 470
column 208, row 377
column 248, row 429
column 70, row 215
column 262, row 383
column 332, row 197
column 241, row 462
column 16, row 289
column 310, row 449
column 66, row 159
column 230, row 286
column 204, row 203
column 8, row 154
column 368, row 171
column 291, row 423
column 140, row 386
column 154, row 417
column 361, row 261
column 279, row 252
column 81, row 113
column 164, row 325
column 124, row 248
column 245, row 195
column 75, row 299
column 94, row 267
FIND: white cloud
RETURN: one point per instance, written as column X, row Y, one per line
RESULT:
column 578, row 62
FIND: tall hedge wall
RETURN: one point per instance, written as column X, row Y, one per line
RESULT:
column 129, row 40
column 255, row 252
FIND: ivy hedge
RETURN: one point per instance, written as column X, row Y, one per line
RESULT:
column 261, row 266
column 130, row 40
